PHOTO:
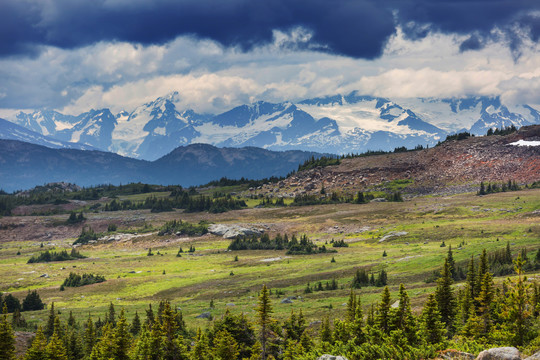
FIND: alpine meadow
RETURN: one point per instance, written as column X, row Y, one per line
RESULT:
column 269, row 180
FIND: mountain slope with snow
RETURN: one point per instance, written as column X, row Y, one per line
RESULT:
column 333, row 124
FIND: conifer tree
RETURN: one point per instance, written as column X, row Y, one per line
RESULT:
column 326, row 332
column 148, row 346
column 483, row 268
column 451, row 263
column 383, row 313
column 351, row 307
column 444, row 295
column 201, row 350
column 485, row 303
column 111, row 316
column 518, row 314
column 172, row 344
column 7, row 338
column 264, row 309
column 49, row 328
column 122, row 338
column 432, row 328
column 89, row 336
column 225, row 347
column 38, row 349
column 473, row 326
column 135, row 325
column 357, row 325
column 56, row 349
column 74, row 347
column 104, row 349
column 403, row 319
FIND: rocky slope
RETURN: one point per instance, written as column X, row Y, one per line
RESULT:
column 459, row 165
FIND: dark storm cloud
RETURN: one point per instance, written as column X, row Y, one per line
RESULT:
column 357, row 28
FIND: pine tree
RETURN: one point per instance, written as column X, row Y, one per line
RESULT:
column 122, row 338
column 483, row 268
column 148, row 346
column 74, row 347
column 89, row 339
column 351, row 307
column 383, row 313
column 104, row 349
column 56, row 349
column 37, row 350
column 201, row 350
column 49, row 328
column 451, row 263
column 432, row 328
column 172, row 344
column 403, row 319
column 485, row 303
column 356, row 327
column 326, row 332
column 225, row 347
column 518, row 314
column 135, row 325
column 7, row 338
column 111, row 317
column 444, row 295
column 264, row 309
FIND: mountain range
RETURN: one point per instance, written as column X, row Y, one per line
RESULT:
column 337, row 124
column 24, row 165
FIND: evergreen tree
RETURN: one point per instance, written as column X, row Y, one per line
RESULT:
column 56, row 349
column 38, row 349
column 148, row 346
column 32, row 301
column 432, row 328
column 89, row 339
column 264, row 309
column 383, row 313
column 518, row 313
column 7, row 338
column 483, row 268
column 225, row 347
column 172, row 344
column 403, row 319
column 485, row 303
column 49, row 328
column 74, row 346
column 356, row 327
column 104, row 349
column 111, row 316
column 351, row 307
column 122, row 338
column 451, row 263
column 135, row 325
column 444, row 295
column 201, row 350
column 326, row 332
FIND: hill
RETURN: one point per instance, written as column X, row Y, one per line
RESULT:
column 24, row 165
column 452, row 166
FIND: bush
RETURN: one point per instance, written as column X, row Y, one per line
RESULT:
column 74, row 280
column 49, row 256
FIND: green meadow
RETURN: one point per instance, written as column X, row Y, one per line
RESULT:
column 421, row 230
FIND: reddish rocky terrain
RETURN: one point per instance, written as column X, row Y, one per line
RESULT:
column 453, row 166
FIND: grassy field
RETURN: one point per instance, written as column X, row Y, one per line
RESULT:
column 190, row 282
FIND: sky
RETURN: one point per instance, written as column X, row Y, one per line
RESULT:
column 75, row 55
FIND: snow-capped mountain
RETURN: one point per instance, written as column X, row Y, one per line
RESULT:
column 335, row 124
column 11, row 131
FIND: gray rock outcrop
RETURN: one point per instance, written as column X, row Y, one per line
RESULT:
column 502, row 353
column 331, row 357
column 232, row 231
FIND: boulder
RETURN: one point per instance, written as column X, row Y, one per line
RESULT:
column 331, row 357
column 232, row 231
column 502, row 353
column 286, row 301
column 204, row 315
column 535, row 356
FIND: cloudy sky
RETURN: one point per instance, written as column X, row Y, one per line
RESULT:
column 75, row 55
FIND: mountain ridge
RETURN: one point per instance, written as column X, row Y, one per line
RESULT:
column 338, row 124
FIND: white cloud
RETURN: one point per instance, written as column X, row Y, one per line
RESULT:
column 212, row 78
